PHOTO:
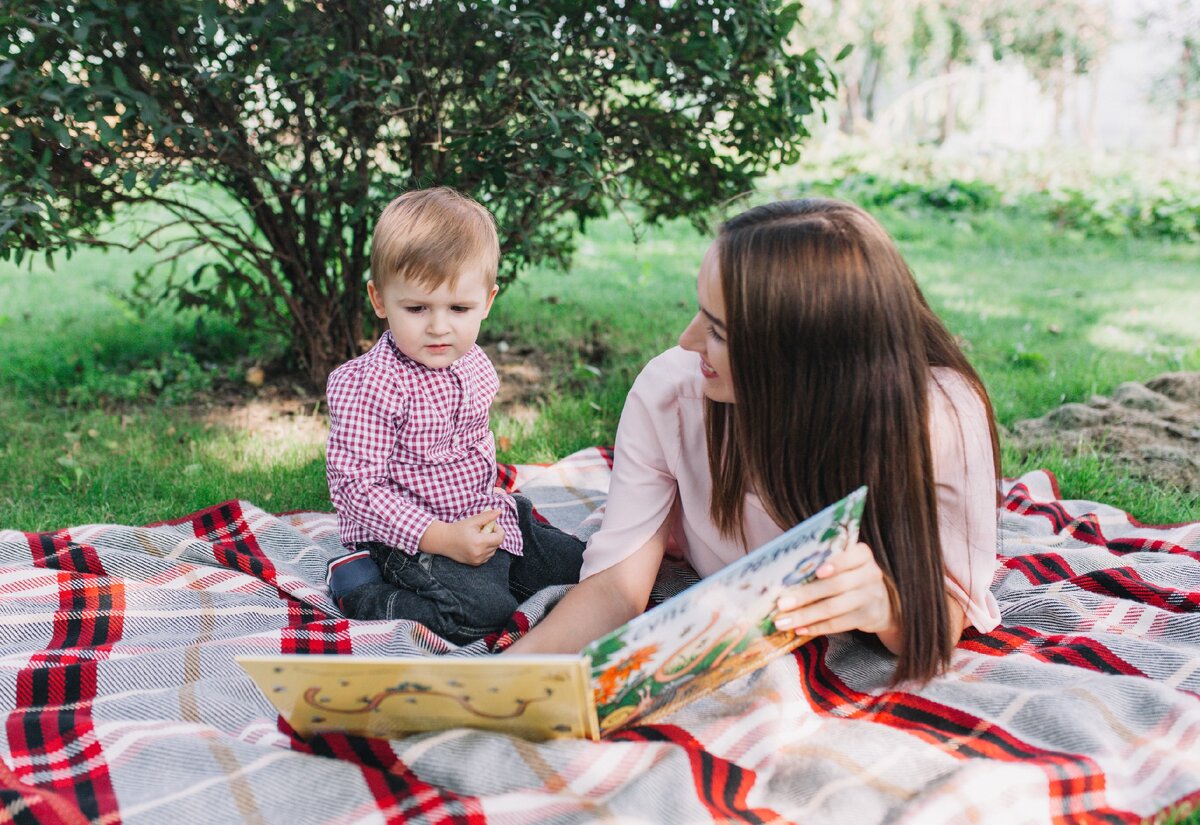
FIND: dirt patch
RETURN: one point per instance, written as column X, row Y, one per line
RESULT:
column 274, row 416
column 524, row 379
column 1153, row 429
column 277, row 405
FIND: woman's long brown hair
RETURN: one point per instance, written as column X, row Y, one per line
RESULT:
column 830, row 346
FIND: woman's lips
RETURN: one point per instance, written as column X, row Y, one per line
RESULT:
column 706, row 370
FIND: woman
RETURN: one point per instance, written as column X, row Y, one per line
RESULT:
column 814, row 365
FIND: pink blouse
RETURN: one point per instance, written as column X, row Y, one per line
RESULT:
column 661, row 455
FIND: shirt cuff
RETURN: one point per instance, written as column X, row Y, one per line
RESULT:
column 408, row 529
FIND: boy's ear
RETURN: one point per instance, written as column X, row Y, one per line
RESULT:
column 487, row 307
column 376, row 299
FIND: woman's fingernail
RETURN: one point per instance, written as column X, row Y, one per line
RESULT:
column 800, row 631
column 783, row 623
column 786, row 604
column 825, row 570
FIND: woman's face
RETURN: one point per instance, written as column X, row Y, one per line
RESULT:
column 705, row 335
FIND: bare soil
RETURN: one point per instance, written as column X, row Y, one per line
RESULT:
column 1151, row 429
column 276, row 404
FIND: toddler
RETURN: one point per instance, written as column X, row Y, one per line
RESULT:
column 411, row 460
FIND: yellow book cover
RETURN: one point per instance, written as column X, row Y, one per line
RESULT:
column 719, row 629
column 536, row 697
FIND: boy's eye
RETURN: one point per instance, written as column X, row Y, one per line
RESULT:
column 414, row 310
column 459, row 309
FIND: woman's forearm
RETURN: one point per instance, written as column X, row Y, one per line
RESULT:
column 599, row 603
column 591, row 609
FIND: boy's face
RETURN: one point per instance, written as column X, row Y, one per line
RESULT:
column 434, row 327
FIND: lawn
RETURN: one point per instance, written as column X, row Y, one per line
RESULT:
column 115, row 414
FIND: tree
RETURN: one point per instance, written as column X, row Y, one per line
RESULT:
column 1177, row 23
column 307, row 117
column 945, row 37
column 874, row 35
column 1057, row 40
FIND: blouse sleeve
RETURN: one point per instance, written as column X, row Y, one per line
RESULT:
column 643, row 487
column 966, row 496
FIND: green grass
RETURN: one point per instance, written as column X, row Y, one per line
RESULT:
column 1045, row 317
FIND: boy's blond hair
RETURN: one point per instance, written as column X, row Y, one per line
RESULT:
column 430, row 236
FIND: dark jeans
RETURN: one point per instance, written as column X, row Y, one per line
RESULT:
column 461, row 602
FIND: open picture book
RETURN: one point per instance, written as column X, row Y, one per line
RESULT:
column 713, row 632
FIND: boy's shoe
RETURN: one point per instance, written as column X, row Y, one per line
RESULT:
column 348, row 572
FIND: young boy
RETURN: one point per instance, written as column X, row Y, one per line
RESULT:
column 411, row 460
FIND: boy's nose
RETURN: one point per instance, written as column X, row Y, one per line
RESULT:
column 439, row 324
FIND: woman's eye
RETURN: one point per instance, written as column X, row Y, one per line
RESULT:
column 713, row 334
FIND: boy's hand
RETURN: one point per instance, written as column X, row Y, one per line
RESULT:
column 472, row 540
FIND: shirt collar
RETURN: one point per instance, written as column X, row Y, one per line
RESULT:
column 416, row 366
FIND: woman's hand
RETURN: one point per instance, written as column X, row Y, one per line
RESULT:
column 849, row 593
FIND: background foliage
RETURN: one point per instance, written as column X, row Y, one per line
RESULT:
column 292, row 124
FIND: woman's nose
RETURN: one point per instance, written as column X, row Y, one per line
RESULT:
column 689, row 338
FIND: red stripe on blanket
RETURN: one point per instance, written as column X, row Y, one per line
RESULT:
column 1086, row 527
column 1134, row 544
column 25, row 805
column 1126, row 583
column 397, row 791
column 506, row 476
column 235, row 546
column 720, row 784
column 233, row 542
column 51, row 737
column 608, row 454
column 1076, row 783
column 326, row 636
column 57, row 551
column 1061, row 648
column 1040, row 568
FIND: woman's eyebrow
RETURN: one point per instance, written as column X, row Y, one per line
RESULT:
column 717, row 322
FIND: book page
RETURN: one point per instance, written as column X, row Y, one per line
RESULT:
column 717, row 630
column 536, row 697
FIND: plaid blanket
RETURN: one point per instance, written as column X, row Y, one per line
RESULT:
column 122, row 702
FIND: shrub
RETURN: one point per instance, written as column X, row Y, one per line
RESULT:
column 307, row 118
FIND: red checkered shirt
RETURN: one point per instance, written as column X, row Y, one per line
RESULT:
column 409, row 444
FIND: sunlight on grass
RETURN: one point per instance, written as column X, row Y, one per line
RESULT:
column 1045, row 319
column 1152, row 321
column 1087, row 473
column 257, row 437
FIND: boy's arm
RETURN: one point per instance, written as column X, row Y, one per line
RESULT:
column 362, row 436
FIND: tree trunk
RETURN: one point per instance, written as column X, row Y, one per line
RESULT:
column 871, row 72
column 951, row 114
column 1181, row 101
column 333, row 340
column 850, row 111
